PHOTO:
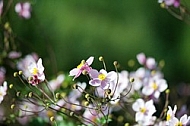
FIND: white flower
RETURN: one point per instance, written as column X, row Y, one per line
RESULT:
column 171, row 113
column 56, row 83
column 37, row 72
column 3, row 91
column 182, row 122
column 154, row 87
column 144, row 111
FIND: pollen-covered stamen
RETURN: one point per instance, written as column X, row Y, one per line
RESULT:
column 101, row 76
column 143, row 110
column 34, row 71
column 168, row 117
column 179, row 124
column 81, row 64
column 154, row 86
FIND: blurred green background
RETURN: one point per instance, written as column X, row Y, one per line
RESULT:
column 63, row 32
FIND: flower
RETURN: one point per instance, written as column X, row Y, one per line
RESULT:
column 37, row 72
column 3, row 91
column 144, row 111
column 56, row 83
column 83, row 67
column 23, row 9
column 14, row 55
column 25, row 62
column 102, row 78
column 175, row 3
column 141, row 58
column 171, row 113
column 154, row 87
column 149, row 62
column 182, row 122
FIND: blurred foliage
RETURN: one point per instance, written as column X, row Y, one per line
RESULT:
column 64, row 32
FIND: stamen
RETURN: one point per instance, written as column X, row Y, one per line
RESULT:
column 101, row 76
column 81, row 64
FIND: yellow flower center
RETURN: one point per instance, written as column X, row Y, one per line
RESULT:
column 143, row 110
column 154, row 86
column 35, row 71
column 81, row 64
column 168, row 117
column 101, row 76
column 179, row 124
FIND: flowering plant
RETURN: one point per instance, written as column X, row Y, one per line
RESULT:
column 105, row 97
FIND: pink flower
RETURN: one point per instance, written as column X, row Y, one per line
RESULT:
column 148, row 62
column 23, row 9
column 141, row 58
column 102, row 78
column 25, row 62
column 84, row 66
column 175, row 3
column 37, row 72
column 14, row 55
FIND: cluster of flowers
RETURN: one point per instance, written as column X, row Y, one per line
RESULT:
column 104, row 94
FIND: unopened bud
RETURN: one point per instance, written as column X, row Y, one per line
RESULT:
column 20, row 72
column 52, row 118
column 15, row 74
column 30, row 78
column 115, row 63
column 163, row 5
column 12, row 106
column 11, row 86
column 87, row 96
column 30, row 94
column 71, row 113
column 167, row 91
column 86, row 103
column 18, row 94
column 75, row 86
column 126, row 124
column 101, row 58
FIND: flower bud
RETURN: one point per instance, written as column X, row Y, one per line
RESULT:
column 30, row 94
column 19, row 72
column 12, row 106
column 75, row 86
column 11, row 86
column 101, row 58
column 52, row 118
column 167, row 91
column 15, row 74
column 18, row 93
column 71, row 113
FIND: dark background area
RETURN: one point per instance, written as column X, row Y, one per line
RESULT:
column 65, row 32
